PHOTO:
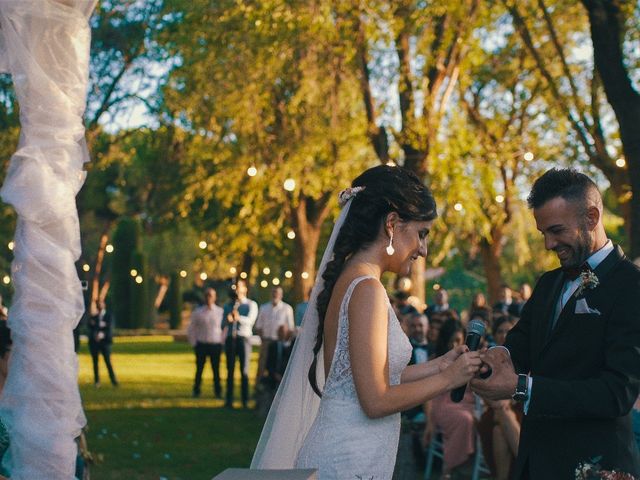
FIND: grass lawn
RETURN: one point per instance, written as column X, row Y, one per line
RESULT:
column 150, row 427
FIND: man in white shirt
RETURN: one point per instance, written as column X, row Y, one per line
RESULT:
column 205, row 334
column 239, row 316
column 271, row 315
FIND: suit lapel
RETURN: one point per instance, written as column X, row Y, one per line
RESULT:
column 602, row 271
column 554, row 294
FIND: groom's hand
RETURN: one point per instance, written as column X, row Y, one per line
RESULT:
column 503, row 380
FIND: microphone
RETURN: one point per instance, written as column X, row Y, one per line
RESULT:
column 475, row 331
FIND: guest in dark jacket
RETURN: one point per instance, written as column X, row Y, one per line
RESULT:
column 100, row 339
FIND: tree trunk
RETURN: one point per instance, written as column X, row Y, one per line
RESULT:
column 606, row 20
column 97, row 271
column 490, row 253
column 307, row 218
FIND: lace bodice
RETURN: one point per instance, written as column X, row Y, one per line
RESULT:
column 339, row 383
column 343, row 442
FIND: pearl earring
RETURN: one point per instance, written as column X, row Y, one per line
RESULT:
column 390, row 249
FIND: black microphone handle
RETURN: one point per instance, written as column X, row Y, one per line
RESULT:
column 473, row 342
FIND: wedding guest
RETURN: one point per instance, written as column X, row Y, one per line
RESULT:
column 414, row 419
column 479, row 304
column 276, row 363
column 455, row 421
column 270, row 316
column 239, row 316
column 205, row 335
column 300, row 309
column 515, row 309
column 100, row 326
column 441, row 303
column 499, row 426
column 505, row 299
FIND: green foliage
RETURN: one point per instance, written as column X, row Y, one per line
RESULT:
column 126, row 241
column 141, row 291
column 174, row 299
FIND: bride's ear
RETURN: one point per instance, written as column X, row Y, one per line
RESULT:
column 390, row 222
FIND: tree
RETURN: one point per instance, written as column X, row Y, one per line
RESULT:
column 430, row 42
column 266, row 86
column 609, row 21
column 554, row 35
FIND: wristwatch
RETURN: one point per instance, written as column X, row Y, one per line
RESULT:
column 522, row 388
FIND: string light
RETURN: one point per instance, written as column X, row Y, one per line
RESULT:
column 528, row 156
column 291, row 235
column 289, row 184
column 288, row 274
column 252, row 171
column 457, row 207
column 109, row 248
column 11, row 245
column 499, row 198
column 276, row 281
column 264, row 284
column 202, row 244
column 183, row 273
column 203, row 276
column 621, row 162
column 138, row 279
column 304, row 275
column 6, row 279
column 266, row 270
column 243, row 275
column 86, row 267
column 436, row 286
column 133, row 272
column 233, row 270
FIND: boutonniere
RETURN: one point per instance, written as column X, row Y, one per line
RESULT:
column 588, row 280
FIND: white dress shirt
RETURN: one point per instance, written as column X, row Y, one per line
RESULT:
column 206, row 325
column 271, row 316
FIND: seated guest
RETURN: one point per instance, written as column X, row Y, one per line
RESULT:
column 505, row 299
column 499, row 426
column 479, row 303
column 276, row 363
column 456, row 421
column 441, row 303
column 413, row 420
column 515, row 309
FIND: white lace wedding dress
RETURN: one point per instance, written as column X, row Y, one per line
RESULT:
column 343, row 442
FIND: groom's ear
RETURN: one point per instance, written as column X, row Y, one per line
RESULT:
column 593, row 216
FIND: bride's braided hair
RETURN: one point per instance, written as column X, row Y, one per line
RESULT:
column 387, row 189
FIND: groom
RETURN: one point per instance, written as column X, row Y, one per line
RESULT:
column 576, row 348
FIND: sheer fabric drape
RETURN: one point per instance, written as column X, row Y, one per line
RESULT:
column 44, row 45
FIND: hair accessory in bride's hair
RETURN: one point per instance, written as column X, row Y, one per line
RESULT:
column 347, row 194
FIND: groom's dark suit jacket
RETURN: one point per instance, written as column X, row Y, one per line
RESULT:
column 586, row 374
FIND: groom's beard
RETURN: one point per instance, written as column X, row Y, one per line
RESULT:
column 579, row 251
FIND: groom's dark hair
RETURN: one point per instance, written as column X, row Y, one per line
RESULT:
column 386, row 189
column 566, row 183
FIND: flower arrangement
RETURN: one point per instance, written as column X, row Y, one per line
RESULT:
column 347, row 194
column 593, row 471
column 588, row 280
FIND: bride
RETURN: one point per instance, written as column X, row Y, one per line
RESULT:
column 348, row 426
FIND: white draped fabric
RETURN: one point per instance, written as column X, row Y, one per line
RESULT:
column 45, row 47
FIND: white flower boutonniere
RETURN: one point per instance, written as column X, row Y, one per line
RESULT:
column 588, row 280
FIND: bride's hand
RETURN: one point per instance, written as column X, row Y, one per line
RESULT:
column 463, row 369
column 451, row 356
